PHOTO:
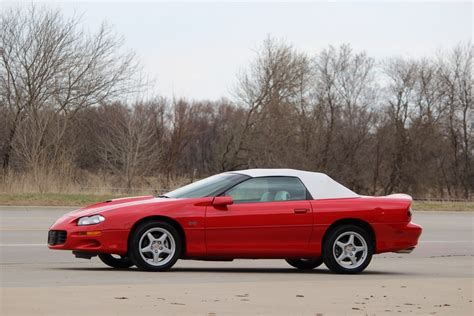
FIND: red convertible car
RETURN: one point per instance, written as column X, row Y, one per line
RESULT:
column 303, row 217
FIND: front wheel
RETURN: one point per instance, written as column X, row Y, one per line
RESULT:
column 155, row 246
column 305, row 264
column 348, row 249
column 118, row 263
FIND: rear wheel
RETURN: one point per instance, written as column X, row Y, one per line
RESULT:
column 155, row 246
column 115, row 262
column 305, row 264
column 348, row 249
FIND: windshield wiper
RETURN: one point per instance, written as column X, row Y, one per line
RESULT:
column 163, row 196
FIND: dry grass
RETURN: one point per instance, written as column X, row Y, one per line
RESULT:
column 83, row 182
column 446, row 206
column 53, row 199
column 48, row 188
column 69, row 188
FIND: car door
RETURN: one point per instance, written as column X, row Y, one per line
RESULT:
column 270, row 217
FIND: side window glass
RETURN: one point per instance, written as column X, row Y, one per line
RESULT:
column 268, row 189
column 249, row 191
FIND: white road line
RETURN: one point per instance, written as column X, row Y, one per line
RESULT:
column 446, row 241
column 23, row 245
column 23, row 229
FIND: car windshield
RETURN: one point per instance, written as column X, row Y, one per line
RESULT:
column 207, row 187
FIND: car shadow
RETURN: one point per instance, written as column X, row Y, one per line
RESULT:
column 272, row 270
column 321, row 271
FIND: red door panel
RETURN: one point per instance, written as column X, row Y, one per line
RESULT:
column 261, row 229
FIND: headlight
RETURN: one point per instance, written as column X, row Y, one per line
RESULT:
column 90, row 220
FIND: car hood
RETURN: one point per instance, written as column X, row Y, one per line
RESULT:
column 115, row 204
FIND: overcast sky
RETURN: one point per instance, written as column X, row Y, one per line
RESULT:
column 196, row 49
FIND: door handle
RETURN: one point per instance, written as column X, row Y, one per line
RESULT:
column 301, row 210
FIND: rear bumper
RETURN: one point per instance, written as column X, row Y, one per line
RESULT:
column 94, row 238
column 396, row 237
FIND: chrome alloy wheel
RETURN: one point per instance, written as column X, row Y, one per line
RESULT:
column 350, row 250
column 157, row 246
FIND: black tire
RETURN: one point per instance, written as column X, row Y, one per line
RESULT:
column 118, row 263
column 305, row 264
column 331, row 251
column 173, row 239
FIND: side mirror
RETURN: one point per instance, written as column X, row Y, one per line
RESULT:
column 222, row 201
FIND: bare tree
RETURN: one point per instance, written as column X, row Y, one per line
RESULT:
column 345, row 95
column 399, row 125
column 402, row 78
column 49, row 70
column 128, row 139
column 457, row 84
column 271, row 91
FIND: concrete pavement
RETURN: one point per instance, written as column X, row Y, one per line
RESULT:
column 436, row 278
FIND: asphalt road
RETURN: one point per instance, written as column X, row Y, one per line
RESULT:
column 437, row 278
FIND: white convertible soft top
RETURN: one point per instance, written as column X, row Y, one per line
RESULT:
column 319, row 185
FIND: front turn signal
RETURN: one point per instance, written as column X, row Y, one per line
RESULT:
column 91, row 233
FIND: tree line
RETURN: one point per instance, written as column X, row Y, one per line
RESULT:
column 69, row 108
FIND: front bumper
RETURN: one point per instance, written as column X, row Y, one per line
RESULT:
column 66, row 235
